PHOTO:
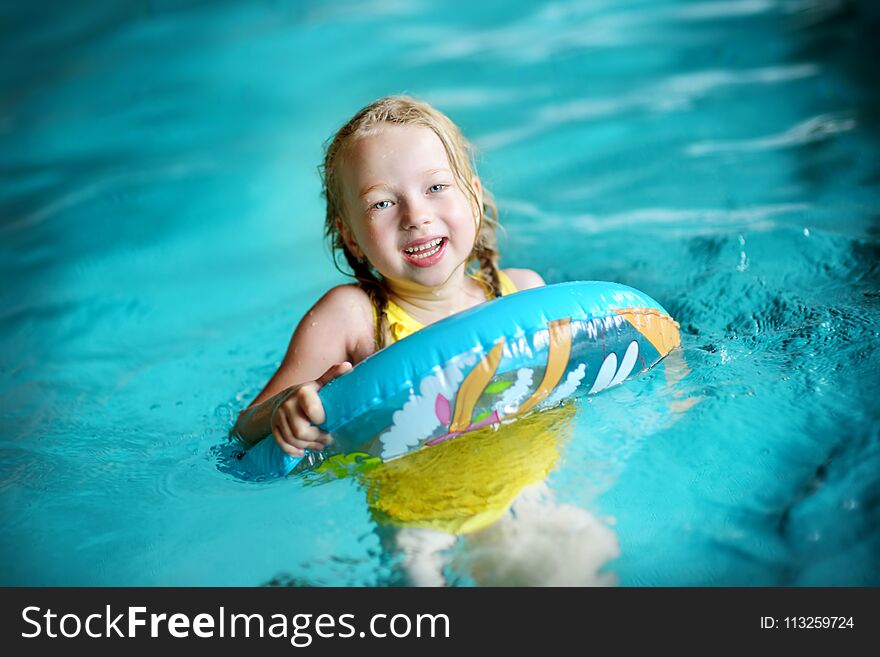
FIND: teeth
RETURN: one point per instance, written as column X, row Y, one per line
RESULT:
column 425, row 254
column 426, row 249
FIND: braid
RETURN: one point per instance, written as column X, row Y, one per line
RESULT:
column 487, row 259
column 376, row 291
column 485, row 250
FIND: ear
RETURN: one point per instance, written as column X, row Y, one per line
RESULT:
column 348, row 239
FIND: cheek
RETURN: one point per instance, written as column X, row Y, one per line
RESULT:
column 465, row 208
column 380, row 238
column 465, row 215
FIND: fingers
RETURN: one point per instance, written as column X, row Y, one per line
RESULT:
column 284, row 436
column 293, row 422
column 294, row 446
column 335, row 370
column 307, row 436
column 310, row 404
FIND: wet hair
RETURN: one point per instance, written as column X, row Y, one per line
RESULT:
column 404, row 110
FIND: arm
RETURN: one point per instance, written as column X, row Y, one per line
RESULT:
column 330, row 336
column 256, row 421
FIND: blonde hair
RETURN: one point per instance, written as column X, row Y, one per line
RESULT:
column 404, row 110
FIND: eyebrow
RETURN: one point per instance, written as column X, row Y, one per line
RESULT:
column 369, row 189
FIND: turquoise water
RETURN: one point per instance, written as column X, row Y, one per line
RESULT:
column 161, row 237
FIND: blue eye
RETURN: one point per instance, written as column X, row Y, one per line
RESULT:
column 381, row 205
column 441, row 185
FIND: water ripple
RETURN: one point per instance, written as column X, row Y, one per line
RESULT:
column 817, row 128
column 671, row 94
column 696, row 221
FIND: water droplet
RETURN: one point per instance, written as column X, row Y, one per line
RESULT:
column 806, row 232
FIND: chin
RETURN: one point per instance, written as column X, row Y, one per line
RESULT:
column 433, row 279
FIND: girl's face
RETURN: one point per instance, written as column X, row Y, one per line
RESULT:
column 404, row 210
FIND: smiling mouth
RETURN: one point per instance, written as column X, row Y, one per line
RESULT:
column 425, row 250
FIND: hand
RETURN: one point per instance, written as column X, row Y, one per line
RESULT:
column 294, row 419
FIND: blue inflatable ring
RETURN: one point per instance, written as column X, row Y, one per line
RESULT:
column 494, row 362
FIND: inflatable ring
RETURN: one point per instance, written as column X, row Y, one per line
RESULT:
column 490, row 364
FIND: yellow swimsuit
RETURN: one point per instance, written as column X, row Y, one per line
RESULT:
column 465, row 484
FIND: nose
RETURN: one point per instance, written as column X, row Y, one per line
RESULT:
column 416, row 213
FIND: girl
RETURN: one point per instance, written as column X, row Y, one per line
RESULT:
column 409, row 214
column 417, row 229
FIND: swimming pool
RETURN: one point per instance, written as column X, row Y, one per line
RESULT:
column 162, row 236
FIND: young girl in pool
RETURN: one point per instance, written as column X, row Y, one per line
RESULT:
column 410, row 216
column 415, row 225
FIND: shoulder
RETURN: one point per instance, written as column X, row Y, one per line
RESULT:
column 343, row 310
column 524, row 279
column 348, row 304
column 344, row 299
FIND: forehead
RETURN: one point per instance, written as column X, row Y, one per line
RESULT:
column 394, row 151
